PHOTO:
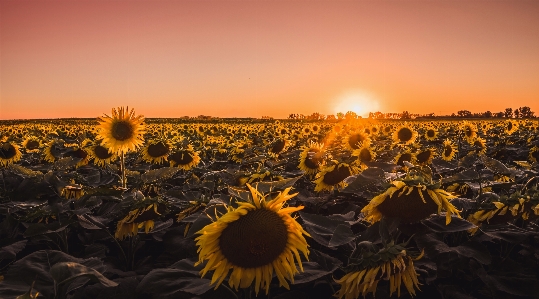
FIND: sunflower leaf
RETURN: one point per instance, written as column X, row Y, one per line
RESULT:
column 160, row 174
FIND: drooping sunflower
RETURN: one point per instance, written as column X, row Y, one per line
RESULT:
column 255, row 240
column 72, row 191
column 32, row 144
column 391, row 263
column 156, row 151
column 311, row 158
column 79, row 153
column 405, row 135
column 431, row 134
column 9, row 153
column 141, row 217
column 333, row 176
column 185, row 158
column 449, row 150
column 51, row 151
column 413, row 202
column 121, row 132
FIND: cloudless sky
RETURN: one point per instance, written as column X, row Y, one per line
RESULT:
column 255, row 58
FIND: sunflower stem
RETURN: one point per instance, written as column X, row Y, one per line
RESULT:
column 122, row 170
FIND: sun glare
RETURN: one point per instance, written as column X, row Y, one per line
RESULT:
column 357, row 101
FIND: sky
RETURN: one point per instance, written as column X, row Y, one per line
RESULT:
column 266, row 58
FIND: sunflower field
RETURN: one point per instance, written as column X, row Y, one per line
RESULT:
column 127, row 207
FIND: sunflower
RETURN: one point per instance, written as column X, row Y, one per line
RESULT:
column 392, row 263
column 185, row 159
column 72, row 191
column 333, row 176
column 534, row 154
column 156, row 151
column 405, row 135
column 101, row 155
column 470, row 131
column 32, row 144
column 123, row 131
column 138, row 218
column 311, row 158
column 407, row 156
column 413, row 202
column 480, row 145
column 254, row 240
column 510, row 127
column 278, row 146
column 449, row 150
column 356, row 140
column 425, row 156
column 431, row 134
column 364, row 154
column 9, row 153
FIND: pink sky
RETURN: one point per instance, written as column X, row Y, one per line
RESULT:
column 247, row 58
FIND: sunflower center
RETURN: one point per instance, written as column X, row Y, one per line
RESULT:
column 102, row 152
column 181, row 158
column 7, row 151
column 79, row 153
column 32, row 144
column 409, row 208
column 255, row 239
column 423, row 156
column 405, row 134
column 536, row 155
column 278, row 146
column 448, row 150
column 122, row 130
column 430, row 133
column 157, row 150
column 469, row 132
column 509, row 126
column 336, row 176
column 313, row 159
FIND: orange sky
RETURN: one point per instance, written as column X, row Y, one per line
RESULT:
column 247, row 58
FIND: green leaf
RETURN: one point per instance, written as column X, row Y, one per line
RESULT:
column 267, row 187
column 368, row 178
column 160, row 174
column 65, row 272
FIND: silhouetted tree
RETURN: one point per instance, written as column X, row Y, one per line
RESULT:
column 508, row 112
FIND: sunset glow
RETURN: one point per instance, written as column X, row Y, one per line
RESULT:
column 254, row 58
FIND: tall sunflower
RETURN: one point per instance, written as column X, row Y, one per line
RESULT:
column 414, row 201
column 356, row 140
column 32, row 144
column 470, row 131
column 123, row 131
column 431, row 134
column 9, row 153
column 255, row 240
column 510, row 127
column 364, row 154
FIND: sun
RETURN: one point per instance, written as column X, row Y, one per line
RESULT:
column 359, row 101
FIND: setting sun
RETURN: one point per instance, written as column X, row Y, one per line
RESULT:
column 358, row 101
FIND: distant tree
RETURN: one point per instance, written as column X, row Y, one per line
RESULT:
column 499, row 114
column 516, row 113
column 350, row 115
column 405, row 115
column 464, row 113
column 487, row 114
column 508, row 112
column 331, row 117
column 525, row 112
column 340, row 115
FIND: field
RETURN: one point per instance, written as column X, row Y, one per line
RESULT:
column 269, row 208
